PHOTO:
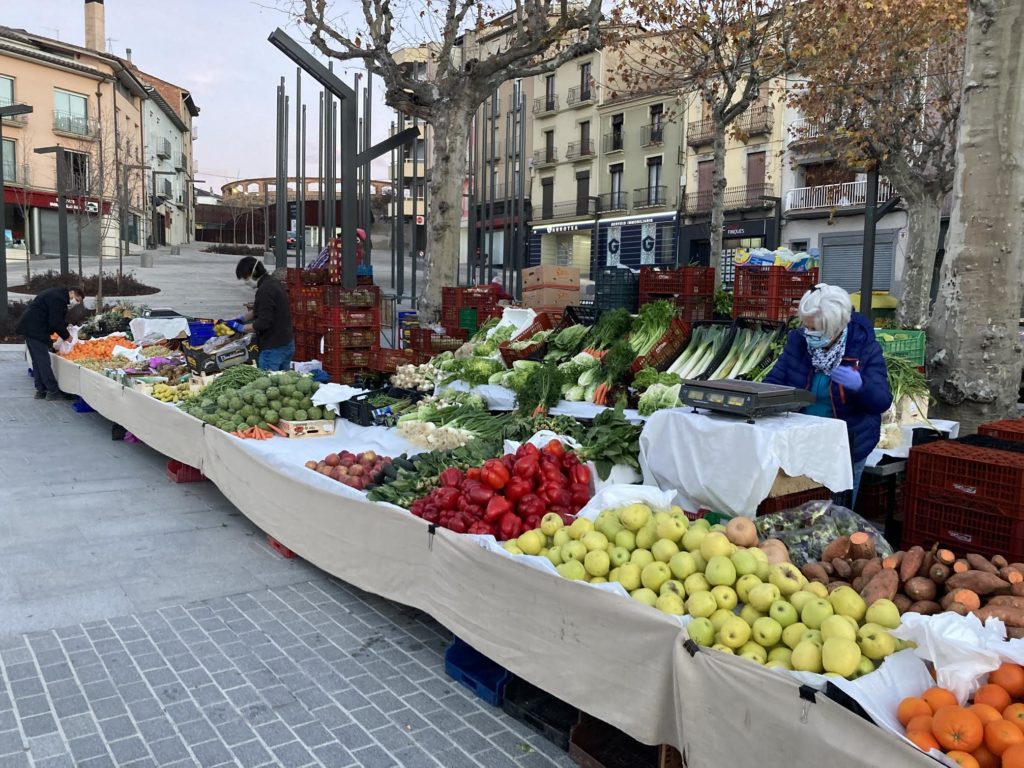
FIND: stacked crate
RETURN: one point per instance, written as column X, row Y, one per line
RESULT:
column 351, row 320
column 615, row 288
column 306, row 299
column 550, row 289
column 466, row 309
column 770, row 293
column 692, row 289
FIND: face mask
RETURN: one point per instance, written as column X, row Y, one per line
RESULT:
column 816, row 339
column 250, row 282
column 74, row 302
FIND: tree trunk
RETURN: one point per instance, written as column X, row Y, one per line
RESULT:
column 718, row 184
column 924, row 222
column 451, row 125
column 973, row 343
column 78, row 238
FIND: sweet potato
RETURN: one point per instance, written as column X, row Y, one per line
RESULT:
column 894, row 560
column 871, row 567
column 1018, row 566
column 1011, row 617
column 924, row 607
column 919, row 588
column 939, row 573
column 981, row 563
column 838, row 548
column 928, row 562
column 979, row 582
column 968, row 598
column 955, row 607
column 814, row 572
column 1017, row 589
column 857, row 566
column 834, row 585
column 882, row 585
column 858, row 583
column 903, row 602
column 1014, row 633
column 911, row 563
column 1011, row 574
column 999, row 561
column 1011, row 600
column 842, row 569
column 827, row 567
column 945, row 556
column 862, row 545
column 961, row 566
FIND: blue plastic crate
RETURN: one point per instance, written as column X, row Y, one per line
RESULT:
column 81, row 406
column 199, row 333
column 469, row 667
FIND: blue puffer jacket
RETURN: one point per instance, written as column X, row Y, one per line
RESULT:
column 862, row 411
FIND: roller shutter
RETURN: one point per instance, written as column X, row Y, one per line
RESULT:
column 841, row 256
column 50, row 237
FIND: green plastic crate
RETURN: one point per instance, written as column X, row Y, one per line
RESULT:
column 905, row 344
column 468, row 319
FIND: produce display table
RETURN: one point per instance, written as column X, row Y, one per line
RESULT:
column 722, row 463
column 618, row 660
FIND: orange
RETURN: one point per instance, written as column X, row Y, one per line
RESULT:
column 923, row 740
column 938, row 698
column 1015, row 714
column 1014, row 757
column 994, row 695
column 985, row 712
column 957, row 728
column 1011, row 677
column 920, row 723
column 910, row 708
column 963, row 759
column 985, row 757
column 1001, row 735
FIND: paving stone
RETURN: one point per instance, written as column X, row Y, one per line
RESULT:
column 373, row 757
column 39, row 725
column 211, row 753
column 252, row 753
column 293, row 755
column 128, row 750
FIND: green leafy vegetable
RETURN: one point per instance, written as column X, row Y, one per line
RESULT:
column 612, row 326
column 611, row 440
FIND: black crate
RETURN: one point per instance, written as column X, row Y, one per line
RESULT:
column 551, row 717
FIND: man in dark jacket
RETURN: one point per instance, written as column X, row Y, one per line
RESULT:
column 46, row 315
column 837, row 358
column 270, row 318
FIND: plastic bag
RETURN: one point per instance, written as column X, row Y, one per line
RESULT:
column 806, row 530
column 613, row 496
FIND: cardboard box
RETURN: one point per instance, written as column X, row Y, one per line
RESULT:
column 308, row 428
column 214, row 362
column 549, row 276
column 550, row 297
column 785, row 484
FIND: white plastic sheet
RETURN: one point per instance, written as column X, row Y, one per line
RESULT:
column 166, row 327
column 614, row 496
column 330, row 395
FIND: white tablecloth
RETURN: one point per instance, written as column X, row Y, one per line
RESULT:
column 722, row 463
column 168, row 327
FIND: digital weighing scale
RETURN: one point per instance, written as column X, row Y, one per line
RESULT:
column 749, row 399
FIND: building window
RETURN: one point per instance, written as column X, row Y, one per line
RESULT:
column 655, row 193
column 549, row 93
column 618, row 197
column 547, row 197
column 657, row 123
column 585, row 70
column 585, row 137
column 9, row 164
column 582, row 193
column 549, row 146
column 70, row 112
column 77, row 173
column 799, row 246
column 6, row 91
column 616, row 142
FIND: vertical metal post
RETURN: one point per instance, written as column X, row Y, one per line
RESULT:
column 414, row 230
column 281, row 183
column 3, row 234
column 394, row 204
column 485, row 184
column 471, row 206
column 348, row 139
column 367, row 186
column 506, row 199
column 492, row 182
column 867, row 269
column 520, row 233
column 320, row 174
column 399, row 194
column 300, row 205
column 298, row 161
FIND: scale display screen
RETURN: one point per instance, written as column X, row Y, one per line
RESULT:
column 744, row 398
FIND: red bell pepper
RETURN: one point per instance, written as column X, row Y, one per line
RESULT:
column 555, row 448
column 480, row 528
column 450, row 478
column 473, row 473
column 526, row 467
column 533, row 521
column 580, row 474
column 531, row 504
column 478, row 493
column 580, row 495
column 527, row 449
column 496, row 508
column 457, row 526
column 510, row 526
column 570, row 460
column 508, row 461
column 474, row 512
column 495, row 474
column 517, row 488
column 447, row 498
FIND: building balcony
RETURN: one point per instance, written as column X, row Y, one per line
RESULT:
column 743, row 198
column 76, row 125
column 700, row 132
column 580, row 95
column 180, row 162
column 163, row 149
column 545, row 157
column 407, row 206
column 609, row 202
column 756, row 121
column 13, row 119
column 614, row 142
column 652, row 135
column 407, row 171
column 545, row 105
column 851, row 195
column 650, row 197
column 568, row 208
column 803, row 132
column 578, row 150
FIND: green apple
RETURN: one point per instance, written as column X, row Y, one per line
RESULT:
column 701, row 631
column 701, row 604
column 723, row 648
column 654, row 575
column 838, row 626
column 550, row 523
column 865, row 667
column 778, row 664
column 672, row 603
column 724, row 596
column 792, row 634
column 753, row 651
column 635, row 516
column 641, row 557
column 766, row 631
column 816, row 588
column 801, row 598
column 840, row 655
column 699, row 561
column 682, row 565
column 701, row 522
column 875, row 642
column 716, row 543
column 625, row 539
column 609, row 527
column 780, row 653
column 673, row 586
column 572, row 569
column 618, row 556
column 574, row 550
column 786, row 577
column 696, row 582
column 647, row 535
column 561, row 537
column 812, row 636
column 720, row 571
column 744, row 584
column 664, row 549
column 555, row 555
column 645, row 596
column 597, row 562
column 806, row 657
column 784, row 613
column 750, row 614
column 882, row 612
column 531, row 542
column 719, row 617
column 672, row 529
column 595, row 540
column 613, row 574
column 734, row 633
column 847, row 602
column 815, row 612
column 512, row 548
column 693, row 537
column 597, row 580
column 629, row 576
column 762, row 596
column 744, row 562
column 764, row 570
column 580, row 527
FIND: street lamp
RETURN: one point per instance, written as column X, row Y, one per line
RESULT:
column 155, row 222
column 62, row 203
column 778, row 216
column 8, row 111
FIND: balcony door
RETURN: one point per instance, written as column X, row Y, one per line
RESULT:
column 705, row 174
column 549, row 93
column 583, row 193
column 70, row 112
column 755, row 178
column 654, row 196
column 585, row 71
column 618, row 197
column 617, row 122
column 547, row 198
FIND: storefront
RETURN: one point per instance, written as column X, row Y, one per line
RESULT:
column 34, row 222
column 565, row 245
column 695, row 241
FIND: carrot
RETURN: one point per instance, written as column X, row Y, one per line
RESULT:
column 277, row 429
column 538, row 410
column 945, row 556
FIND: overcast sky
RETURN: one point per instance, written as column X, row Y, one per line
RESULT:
column 218, row 50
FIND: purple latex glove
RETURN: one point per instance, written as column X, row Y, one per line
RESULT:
column 848, row 378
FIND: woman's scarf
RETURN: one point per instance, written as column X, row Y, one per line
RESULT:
column 825, row 360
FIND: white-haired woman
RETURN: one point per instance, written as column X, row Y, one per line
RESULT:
column 837, row 358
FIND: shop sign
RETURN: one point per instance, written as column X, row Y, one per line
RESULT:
column 648, row 241
column 613, row 246
column 743, row 228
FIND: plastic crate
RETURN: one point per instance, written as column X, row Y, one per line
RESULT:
column 776, row 310
column 693, row 309
column 542, row 322
column 387, row 360
column 971, row 472
column 352, row 298
column 792, row 500
column 337, row 338
column 595, row 744
column 906, row 344
column 80, row 406
column 314, row 276
column 182, row 473
column 1011, row 430
column 468, row 667
column 310, row 300
column 549, row 716
column 199, row 333
column 668, row 348
column 425, row 341
column 683, row 281
column 475, row 296
column 346, row 357
column 772, row 282
column 343, row 317
column 961, row 524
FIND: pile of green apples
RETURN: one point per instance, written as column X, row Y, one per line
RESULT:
column 741, row 602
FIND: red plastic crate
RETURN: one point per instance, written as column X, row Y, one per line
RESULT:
column 691, row 308
column 337, row 338
column 668, row 348
column 178, row 472
column 342, row 317
column 970, row 472
column 387, row 360
column 542, row 322
column 427, row 342
column 310, row 300
column 352, row 298
column 313, row 277
column 776, row 310
column 1007, row 429
column 683, row 281
column 476, row 296
column 280, row 548
column 772, row 282
column 961, row 524
column 346, row 358
column 775, row 504
column 349, row 376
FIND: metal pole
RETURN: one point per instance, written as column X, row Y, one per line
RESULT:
column 520, row 236
column 492, row 182
column 367, row 186
column 155, row 222
column 348, row 140
column 298, row 161
column 506, row 197
column 416, row 186
column 485, row 184
column 300, row 205
column 471, row 206
column 332, row 172
column 867, row 269
column 399, row 195
column 394, row 203
column 281, row 202
column 320, row 173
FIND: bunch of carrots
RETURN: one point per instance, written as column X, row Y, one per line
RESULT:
column 97, row 349
column 255, row 433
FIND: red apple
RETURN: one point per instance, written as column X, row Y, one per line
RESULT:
column 311, row 464
column 332, row 460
